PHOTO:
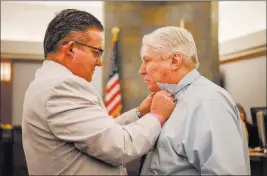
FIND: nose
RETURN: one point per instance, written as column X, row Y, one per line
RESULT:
column 142, row 70
column 99, row 62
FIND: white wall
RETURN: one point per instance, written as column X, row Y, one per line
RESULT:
column 27, row 22
column 242, row 30
column 239, row 18
column 245, row 80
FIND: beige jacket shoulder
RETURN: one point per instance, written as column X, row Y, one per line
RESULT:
column 67, row 130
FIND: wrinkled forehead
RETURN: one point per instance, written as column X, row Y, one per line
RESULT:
column 148, row 51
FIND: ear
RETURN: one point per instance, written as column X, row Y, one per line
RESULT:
column 177, row 61
column 69, row 48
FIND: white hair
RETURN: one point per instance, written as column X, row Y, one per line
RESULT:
column 171, row 40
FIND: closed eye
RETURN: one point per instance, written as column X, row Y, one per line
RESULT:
column 97, row 53
column 145, row 61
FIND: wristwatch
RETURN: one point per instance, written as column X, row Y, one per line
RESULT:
column 138, row 113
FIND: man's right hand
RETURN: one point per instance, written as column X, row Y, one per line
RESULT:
column 162, row 104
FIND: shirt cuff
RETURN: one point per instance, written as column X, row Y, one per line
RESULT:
column 159, row 117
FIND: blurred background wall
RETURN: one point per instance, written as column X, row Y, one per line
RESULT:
column 23, row 25
column 230, row 37
column 215, row 25
column 140, row 18
column 242, row 51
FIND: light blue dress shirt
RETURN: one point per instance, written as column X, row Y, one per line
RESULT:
column 204, row 134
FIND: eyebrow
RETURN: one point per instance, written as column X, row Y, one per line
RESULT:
column 145, row 58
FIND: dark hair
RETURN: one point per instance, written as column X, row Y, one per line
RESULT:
column 64, row 23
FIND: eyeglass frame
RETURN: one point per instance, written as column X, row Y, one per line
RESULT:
column 98, row 49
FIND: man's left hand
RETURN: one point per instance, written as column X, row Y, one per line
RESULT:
column 144, row 107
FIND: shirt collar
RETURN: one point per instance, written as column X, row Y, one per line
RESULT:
column 175, row 88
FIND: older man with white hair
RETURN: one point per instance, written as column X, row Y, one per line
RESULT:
column 204, row 134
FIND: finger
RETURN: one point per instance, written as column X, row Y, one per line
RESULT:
column 168, row 98
column 162, row 92
column 152, row 94
column 167, row 94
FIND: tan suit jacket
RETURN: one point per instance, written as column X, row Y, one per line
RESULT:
column 67, row 130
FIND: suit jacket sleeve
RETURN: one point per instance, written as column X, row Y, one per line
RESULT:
column 213, row 141
column 127, row 117
column 75, row 115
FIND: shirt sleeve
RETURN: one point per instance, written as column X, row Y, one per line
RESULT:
column 213, row 142
column 76, row 116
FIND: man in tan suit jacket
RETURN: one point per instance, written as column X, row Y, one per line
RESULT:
column 66, row 128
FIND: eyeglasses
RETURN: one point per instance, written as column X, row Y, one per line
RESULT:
column 97, row 53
